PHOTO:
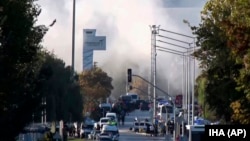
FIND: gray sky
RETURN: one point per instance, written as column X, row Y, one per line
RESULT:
column 126, row 25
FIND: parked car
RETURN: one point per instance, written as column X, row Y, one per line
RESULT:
column 135, row 127
column 143, row 126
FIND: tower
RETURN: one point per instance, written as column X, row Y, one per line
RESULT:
column 91, row 42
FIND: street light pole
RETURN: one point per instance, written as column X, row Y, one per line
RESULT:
column 193, row 85
column 188, row 90
column 73, row 38
column 154, row 32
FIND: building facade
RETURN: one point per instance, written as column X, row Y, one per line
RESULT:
column 91, row 42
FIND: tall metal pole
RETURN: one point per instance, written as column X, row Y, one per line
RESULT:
column 183, row 78
column 154, row 32
column 192, row 120
column 188, row 88
column 73, row 38
column 193, row 85
column 152, row 72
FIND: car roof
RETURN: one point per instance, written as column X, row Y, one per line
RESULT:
column 132, row 94
column 105, row 118
column 110, row 113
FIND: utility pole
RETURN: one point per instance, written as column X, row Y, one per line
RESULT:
column 73, row 38
column 154, row 32
column 193, row 106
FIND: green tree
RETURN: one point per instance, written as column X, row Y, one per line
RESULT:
column 20, row 63
column 217, row 62
column 224, row 39
column 234, row 20
column 64, row 100
column 96, row 85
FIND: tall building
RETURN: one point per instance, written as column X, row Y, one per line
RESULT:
column 91, row 42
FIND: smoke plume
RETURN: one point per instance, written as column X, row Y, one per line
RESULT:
column 125, row 23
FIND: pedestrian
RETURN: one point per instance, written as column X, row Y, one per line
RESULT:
column 155, row 130
column 140, row 106
column 123, row 116
column 147, row 129
column 151, row 128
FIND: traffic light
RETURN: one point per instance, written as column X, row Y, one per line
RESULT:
column 129, row 75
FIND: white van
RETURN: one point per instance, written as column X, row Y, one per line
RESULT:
column 165, row 109
column 112, row 116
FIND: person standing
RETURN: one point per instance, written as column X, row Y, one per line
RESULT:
column 140, row 106
column 123, row 116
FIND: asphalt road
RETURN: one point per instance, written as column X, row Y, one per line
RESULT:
column 127, row 135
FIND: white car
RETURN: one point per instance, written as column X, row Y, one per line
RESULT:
column 113, row 131
column 112, row 116
column 104, row 121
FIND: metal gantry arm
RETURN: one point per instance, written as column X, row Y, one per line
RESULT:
column 188, row 36
column 186, row 60
column 186, row 70
column 152, row 84
column 174, row 39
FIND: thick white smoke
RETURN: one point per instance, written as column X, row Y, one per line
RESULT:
column 125, row 23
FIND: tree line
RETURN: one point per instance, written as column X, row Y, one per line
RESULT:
column 30, row 75
column 224, row 39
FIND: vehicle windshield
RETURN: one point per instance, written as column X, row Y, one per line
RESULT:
column 104, row 120
column 134, row 96
column 106, row 108
column 111, row 116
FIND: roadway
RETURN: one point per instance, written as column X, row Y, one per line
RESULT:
column 127, row 135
